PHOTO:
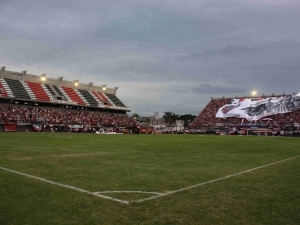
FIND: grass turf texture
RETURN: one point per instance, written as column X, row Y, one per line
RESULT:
column 149, row 163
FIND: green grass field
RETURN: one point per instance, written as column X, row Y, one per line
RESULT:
column 66, row 178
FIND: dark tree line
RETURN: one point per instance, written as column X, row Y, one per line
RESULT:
column 171, row 118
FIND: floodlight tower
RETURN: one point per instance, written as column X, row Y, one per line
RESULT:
column 115, row 90
column 76, row 82
column 2, row 72
column 43, row 77
column 103, row 88
column 59, row 81
column 23, row 75
column 90, row 86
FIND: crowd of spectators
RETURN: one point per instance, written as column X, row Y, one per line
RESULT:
column 207, row 117
column 50, row 116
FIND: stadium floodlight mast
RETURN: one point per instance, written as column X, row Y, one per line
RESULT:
column 76, row 82
column 59, row 81
column 90, row 86
column 43, row 77
column 103, row 88
column 2, row 72
column 23, row 75
column 115, row 90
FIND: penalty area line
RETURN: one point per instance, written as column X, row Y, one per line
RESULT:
column 212, row 181
column 65, row 186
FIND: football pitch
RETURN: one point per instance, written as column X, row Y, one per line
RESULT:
column 69, row 178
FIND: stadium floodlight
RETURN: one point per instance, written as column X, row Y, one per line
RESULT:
column 43, row 77
column 76, row 82
column 2, row 68
column 254, row 93
column 103, row 88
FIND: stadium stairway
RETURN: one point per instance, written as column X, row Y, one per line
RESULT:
column 52, row 92
column 105, row 100
column 60, row 91
column 115, row 100
column 38, row 91
column 29, row 91
column 18, row 90
column 73, row 95
column 97, row 98
column 82, row 97
column 6, row 92
column 90, row 98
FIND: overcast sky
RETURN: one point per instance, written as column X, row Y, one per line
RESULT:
column 164, row 55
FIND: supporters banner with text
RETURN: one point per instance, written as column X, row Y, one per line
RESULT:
column 11, row 127
column 256, row 108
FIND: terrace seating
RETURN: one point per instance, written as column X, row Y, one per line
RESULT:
column 38, row 91
column 207, row 115
column 91, row 100
column 207, row 118
column 6, row 88
column 28, row 90
column 102, row 98
column 72, row 95
column 49, row 88
column 115, row 100
column 2, row 91
column 18, row 90
column 58, row 91
column 81, row 96
column 50, row 116
column 105, row 99
column 97, row 98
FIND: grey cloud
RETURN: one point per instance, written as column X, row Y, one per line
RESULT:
column 229, row 47
column 217, row 90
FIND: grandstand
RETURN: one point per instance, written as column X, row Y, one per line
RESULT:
column 281, row 120
column 27, row 99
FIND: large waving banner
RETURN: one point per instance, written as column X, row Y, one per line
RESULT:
column 256, row 108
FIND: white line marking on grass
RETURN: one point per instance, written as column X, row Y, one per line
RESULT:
column 54, row 147
column 212, row 181
column 157, row 194
column 75, row 155
column 140, row 192
column 66, row 186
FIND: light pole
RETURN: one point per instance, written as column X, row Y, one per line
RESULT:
column 59, row 81
column 43, row 78
column 103, row 88
column 90, row 86
column 76, row 82
column 2, row 72
column 23, row 75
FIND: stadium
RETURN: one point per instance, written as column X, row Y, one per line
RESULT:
column 53, row 172
column 35, row 103
column 267, row 115
column 172, row 112
column 38, row 103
